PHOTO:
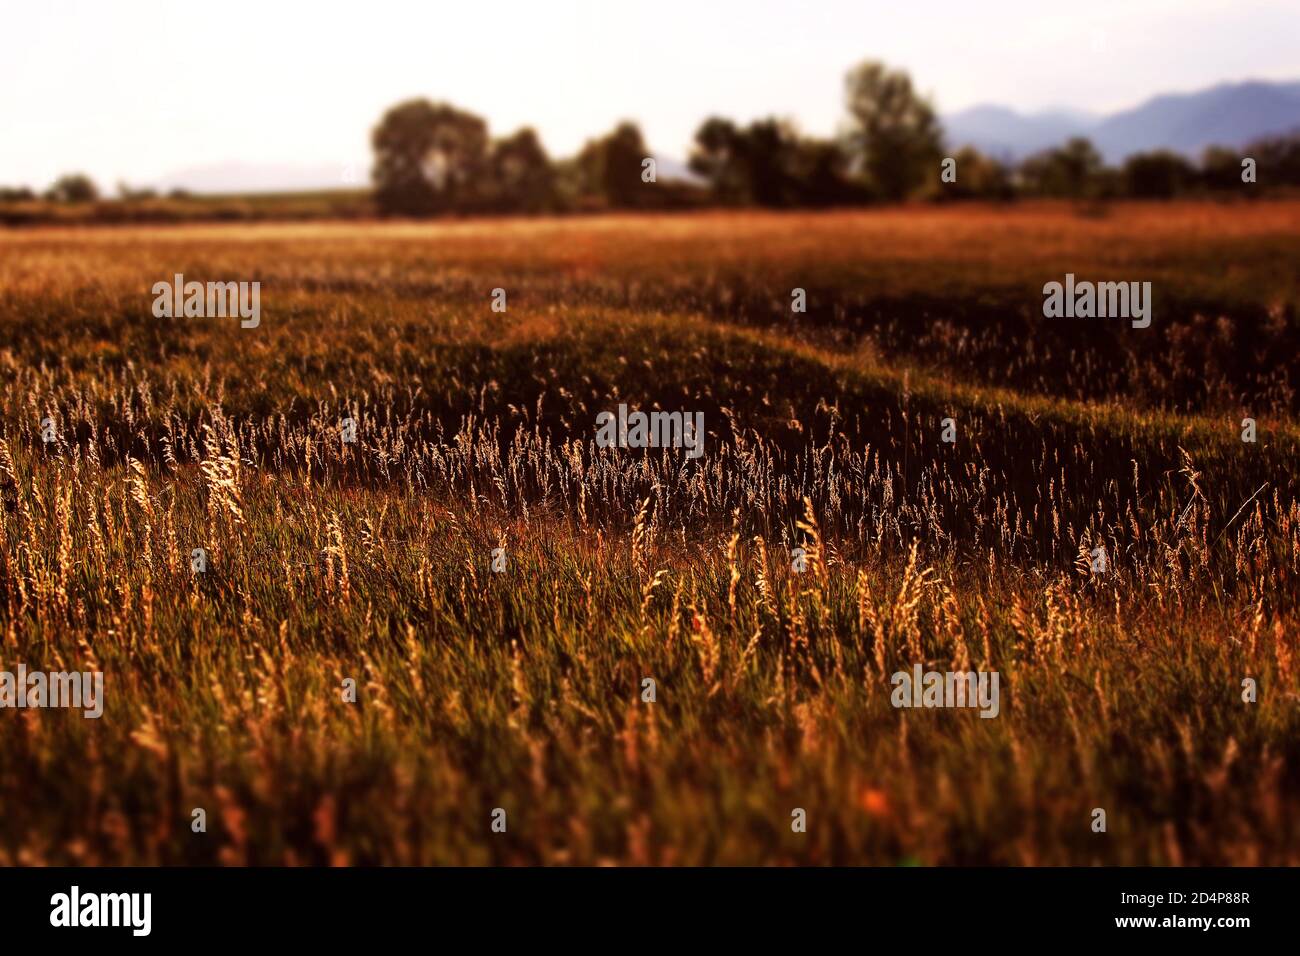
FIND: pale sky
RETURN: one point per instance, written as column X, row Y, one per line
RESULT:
column 139, row 90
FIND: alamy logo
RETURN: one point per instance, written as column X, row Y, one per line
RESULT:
column 1099, row 300
column 946, row 689
column 83, row 691
column 133, row 910
column 215, row 300
column 655, row 430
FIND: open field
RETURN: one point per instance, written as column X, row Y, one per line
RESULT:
column 522, row 690
column 238, row 208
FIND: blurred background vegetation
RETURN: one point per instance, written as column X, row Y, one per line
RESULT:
column 435, row 159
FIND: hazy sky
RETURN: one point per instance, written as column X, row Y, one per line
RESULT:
column 138, row 90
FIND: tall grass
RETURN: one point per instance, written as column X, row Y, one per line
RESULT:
column 522, row 689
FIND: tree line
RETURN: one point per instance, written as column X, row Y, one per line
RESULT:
column 435, row 159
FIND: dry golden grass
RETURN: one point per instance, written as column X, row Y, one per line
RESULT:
column 522, row 689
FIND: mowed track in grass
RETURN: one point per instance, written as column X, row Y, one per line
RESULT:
column 522, row 690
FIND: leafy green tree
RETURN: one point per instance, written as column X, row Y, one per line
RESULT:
column 893, row 137
column 429, row 158
column 1071, row 171
column 74, row 187
column 774, row 161
column 822, row 170
column 1158, row 175
column 1221, row 169
column 769, row 164
column 520, row 175
column 720, row 155
column 978, row 177
column 610, row 168
column 1278, row 159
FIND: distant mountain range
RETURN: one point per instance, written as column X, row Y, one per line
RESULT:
column 239, row 178
column 1230, row 114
